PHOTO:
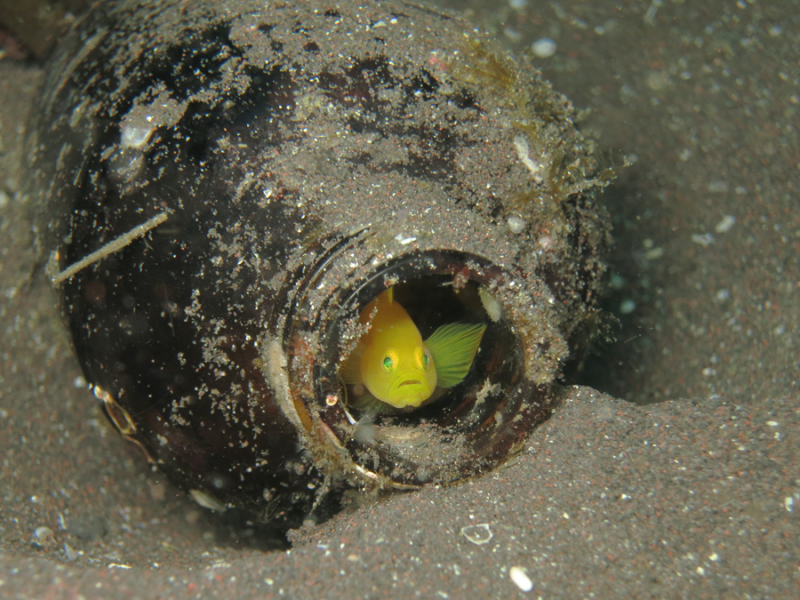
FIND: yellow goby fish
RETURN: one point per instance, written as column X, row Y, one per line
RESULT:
column 396, row 366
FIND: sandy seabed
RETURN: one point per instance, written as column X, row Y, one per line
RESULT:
column 681, row 479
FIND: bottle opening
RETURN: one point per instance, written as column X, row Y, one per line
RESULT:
column 461, row 429
column 432, row 303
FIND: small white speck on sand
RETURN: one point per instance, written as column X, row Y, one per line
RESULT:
column 717, row 187
column 516, row 225
column 626, row 307
column 544, row 47
column 521, row 579
column 617, row 282
column 725, row 224
column 654, row 253
column 704, row 239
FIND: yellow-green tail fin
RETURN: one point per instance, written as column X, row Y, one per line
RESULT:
column 454, row 347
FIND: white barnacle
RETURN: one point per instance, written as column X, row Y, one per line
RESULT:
column 490, row 304
column 523, row 151
column 516, row 224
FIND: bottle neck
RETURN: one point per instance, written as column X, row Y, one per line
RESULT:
column 474, row 425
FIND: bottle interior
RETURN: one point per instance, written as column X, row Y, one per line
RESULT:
column 450, row 432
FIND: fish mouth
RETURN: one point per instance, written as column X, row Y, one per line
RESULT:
column 409, row 392
column 410, row 382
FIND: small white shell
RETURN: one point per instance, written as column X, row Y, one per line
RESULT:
column 478, row 534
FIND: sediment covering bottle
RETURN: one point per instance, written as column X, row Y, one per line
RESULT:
column 222, row 188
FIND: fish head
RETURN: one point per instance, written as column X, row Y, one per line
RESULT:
column 398, row 368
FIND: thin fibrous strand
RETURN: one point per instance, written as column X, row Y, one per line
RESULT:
column 111, row 247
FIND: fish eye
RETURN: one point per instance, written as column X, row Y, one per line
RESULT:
column 388, row 363
column 422, row 357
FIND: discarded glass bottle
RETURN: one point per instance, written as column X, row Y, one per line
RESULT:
column 223, row 187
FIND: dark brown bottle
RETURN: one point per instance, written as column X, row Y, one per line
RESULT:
column 224, row 186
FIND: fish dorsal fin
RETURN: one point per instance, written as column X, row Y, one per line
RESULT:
column 390, row 295
column 454, row 347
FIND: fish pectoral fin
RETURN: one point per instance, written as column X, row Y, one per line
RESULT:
column 453, row 347
column 365, row 402
column 370, row 406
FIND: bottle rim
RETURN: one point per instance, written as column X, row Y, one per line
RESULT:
column 483, row 421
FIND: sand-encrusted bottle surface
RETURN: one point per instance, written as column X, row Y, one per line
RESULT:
column 229, row 190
